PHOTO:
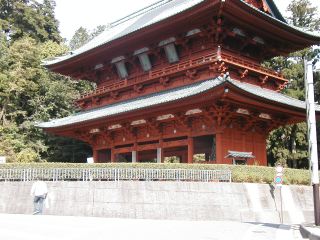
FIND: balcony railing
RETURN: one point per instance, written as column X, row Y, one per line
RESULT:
column 217, row 55
column 175, row 68
column 250, row 66
column 115, row 174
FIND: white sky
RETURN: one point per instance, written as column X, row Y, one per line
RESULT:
column 73, row 14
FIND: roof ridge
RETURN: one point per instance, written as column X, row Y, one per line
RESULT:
column 312, row 34
column 275, row 10
column 139, row 12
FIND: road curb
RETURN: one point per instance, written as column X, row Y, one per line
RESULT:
column 307, row 233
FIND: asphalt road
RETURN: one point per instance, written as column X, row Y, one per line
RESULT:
column 44, row 227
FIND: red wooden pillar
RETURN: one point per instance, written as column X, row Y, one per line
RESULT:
column 190, row 149
column 95, row 156
column 219, row 149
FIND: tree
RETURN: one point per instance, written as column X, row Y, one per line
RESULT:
column 22, row 18
column 80, row 37
column 288, row 144
column 32, row 94
column 83, row 36
column 97, row 31
column 304, row 15
column 51, row 24
column 28, row 92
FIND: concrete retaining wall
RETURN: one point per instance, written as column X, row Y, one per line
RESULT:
column 165, row 200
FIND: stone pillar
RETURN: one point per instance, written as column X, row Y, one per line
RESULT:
column 190, row 149
column 159, row 155
column 161, row 150
column 134, row 156
column 135, row 152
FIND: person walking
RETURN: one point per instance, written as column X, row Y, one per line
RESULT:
column 39, row 191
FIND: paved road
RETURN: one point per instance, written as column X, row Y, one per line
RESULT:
column 29, row 227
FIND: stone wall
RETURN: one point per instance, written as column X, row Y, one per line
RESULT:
column 244, row 202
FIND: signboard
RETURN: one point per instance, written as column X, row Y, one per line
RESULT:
column 279, row 169
column 90, row 160
column 2, row 159
column 278, row 179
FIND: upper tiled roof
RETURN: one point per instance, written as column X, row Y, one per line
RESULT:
column 172, row 95
column 138, row 20
column 275, row 11
column 146, row 17
column 279, row 18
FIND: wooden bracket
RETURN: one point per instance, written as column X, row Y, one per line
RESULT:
column 96, row 100
column 263, row 80
column 114, row 94
column 138, row 88
column 243, row 73
column 222, row 68
column 183, row 120
column 191, row 74
column 165, row 81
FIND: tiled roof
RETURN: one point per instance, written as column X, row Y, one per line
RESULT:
column 136, row 104
column 275, row 11
column 271, row 95
column 176, row 94
column 134, row 22
column 146, row 17
column 279, row 18
column 235, row 154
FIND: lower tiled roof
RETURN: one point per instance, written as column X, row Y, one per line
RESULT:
column 136, row 103
column 172, row 95
column 269, row 94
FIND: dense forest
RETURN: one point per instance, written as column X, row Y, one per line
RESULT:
column 29, row 93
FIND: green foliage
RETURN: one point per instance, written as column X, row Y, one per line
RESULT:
column 80, row 37
column 304, row 15
column 31, row 94
column 28, row 92
column 288, row 145
column 28, row 18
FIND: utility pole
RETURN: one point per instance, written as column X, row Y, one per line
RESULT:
column 312, row 138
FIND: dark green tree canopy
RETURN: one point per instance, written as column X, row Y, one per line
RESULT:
column 22, row 18
column 288, row 144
